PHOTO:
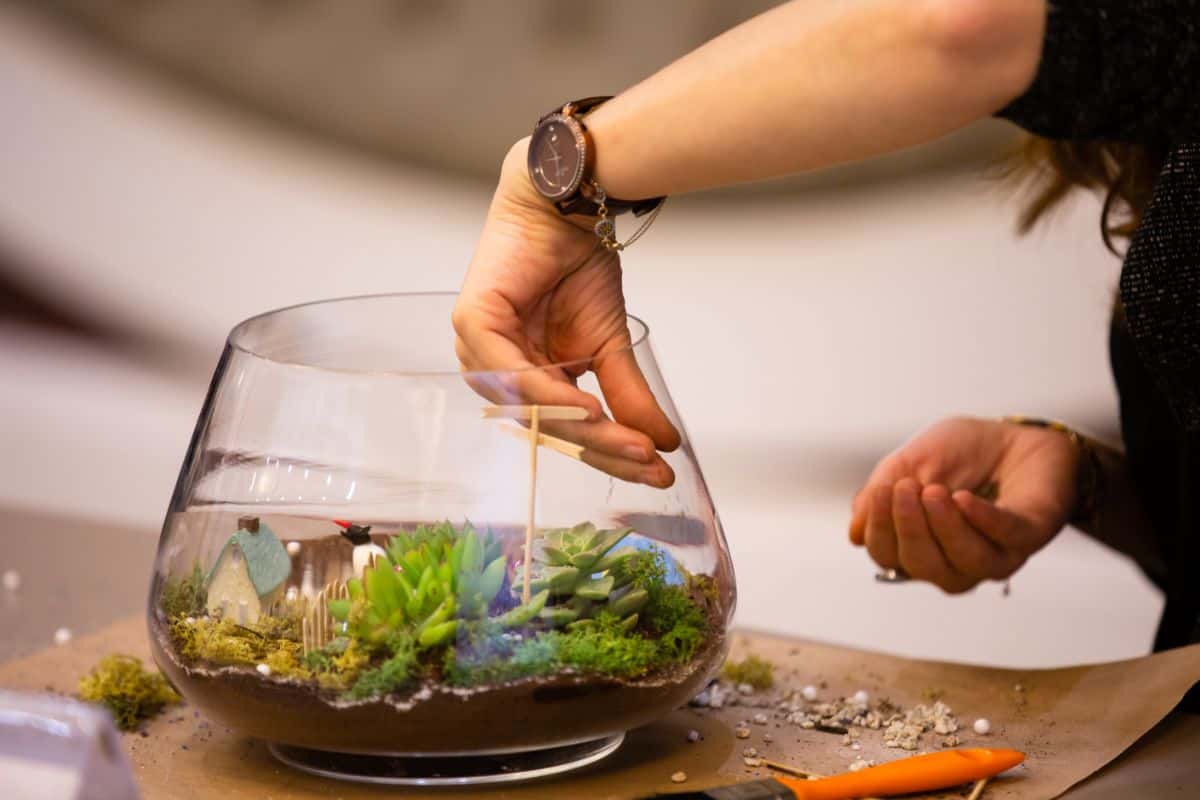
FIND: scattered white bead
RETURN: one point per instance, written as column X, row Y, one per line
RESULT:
column 264, row 670
column 809, row 693
column 679, row 777
column 693, row 736
column 62, row 636
column 982, row 726
column 12, row 580
column 293, row 548
column 861, row 697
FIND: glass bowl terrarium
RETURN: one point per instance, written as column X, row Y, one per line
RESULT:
column 371, row 567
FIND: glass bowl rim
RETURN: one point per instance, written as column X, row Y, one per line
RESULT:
column 639, row 334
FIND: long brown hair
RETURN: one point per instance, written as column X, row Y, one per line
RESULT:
column 1051, row 169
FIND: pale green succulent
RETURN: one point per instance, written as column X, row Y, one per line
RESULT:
column 582, row 573
column 431, row 579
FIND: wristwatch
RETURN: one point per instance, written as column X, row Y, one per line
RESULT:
column 561, row 161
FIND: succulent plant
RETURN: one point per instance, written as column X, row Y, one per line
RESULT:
column 432, row 578
column 583, row 575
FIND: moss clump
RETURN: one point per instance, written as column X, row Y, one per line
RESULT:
column 184, row 596
column 226, row 643
column 671, row 614
column 605, row 647
column 131, row 692
column 391, row 675
column 757, row 672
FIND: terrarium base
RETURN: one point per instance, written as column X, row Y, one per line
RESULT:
column 471, row 770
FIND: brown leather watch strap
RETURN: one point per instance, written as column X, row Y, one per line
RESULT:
column 582, row 202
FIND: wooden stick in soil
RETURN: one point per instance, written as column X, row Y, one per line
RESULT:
column 534, row 435
column 977, row 792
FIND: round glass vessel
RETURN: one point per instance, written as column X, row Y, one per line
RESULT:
column 342, row 569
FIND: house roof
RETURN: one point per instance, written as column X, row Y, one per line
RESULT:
column 267, row 561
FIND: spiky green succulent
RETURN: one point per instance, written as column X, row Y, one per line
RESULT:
column 431, row 579
column 583, row 575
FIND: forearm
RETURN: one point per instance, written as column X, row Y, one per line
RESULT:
column 814, row 83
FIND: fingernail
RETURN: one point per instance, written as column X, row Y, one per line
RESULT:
column 636, row 453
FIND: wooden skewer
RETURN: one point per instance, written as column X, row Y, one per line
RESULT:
column 977, row 792
column 535, row 418
column 569, row 449
column 543, row 412
column 790, row 770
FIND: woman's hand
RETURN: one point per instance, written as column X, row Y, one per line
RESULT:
column 541, row 291
column 921, row 509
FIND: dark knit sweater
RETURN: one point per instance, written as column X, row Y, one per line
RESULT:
column 1129, row 71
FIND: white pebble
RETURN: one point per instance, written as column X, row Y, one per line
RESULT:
column 750, row 752
column 860, row 764
column 293, row 548
column 809, row 693
column 12, row 580
column 745, row 688
column 861, row 697
column 693, row 736
column 679, row 777
column 741, row 733
column 768, row 738
column 62, row 636
column 982, row 726
column 760, row 719
column 264, row 670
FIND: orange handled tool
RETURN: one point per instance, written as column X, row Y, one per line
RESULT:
column 909, row 775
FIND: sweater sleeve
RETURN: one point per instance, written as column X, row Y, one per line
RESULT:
column 1116, row 70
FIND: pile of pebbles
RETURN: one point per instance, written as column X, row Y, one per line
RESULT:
column 849, row 717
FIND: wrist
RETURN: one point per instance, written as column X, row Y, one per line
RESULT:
column 1087, row 472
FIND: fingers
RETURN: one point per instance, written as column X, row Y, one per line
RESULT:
column 657, row 473
column 630, row 399
column 919, row 553
column 1005, row 528
column 967, row 550
column 880, row 535
column 526, row 383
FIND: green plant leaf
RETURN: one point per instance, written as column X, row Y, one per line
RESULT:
column 629, row 603
column 339, row 609
column 435, row 635
column 557, row 616
column 560, row 580
column 595, row 589
column 492, row 579
column 524, row 613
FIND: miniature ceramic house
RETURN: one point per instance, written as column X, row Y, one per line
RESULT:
column 249, row 573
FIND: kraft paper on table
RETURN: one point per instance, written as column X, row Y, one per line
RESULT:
column 1070, row 722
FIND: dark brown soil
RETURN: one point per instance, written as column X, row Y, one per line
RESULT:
column 524, row 714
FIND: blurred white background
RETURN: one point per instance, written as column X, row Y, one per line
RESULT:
column 804, row 331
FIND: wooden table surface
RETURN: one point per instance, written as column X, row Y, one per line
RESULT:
column 83, row 576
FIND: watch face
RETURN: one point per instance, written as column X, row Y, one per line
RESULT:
column 556, row 157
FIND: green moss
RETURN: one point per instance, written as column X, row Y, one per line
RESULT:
column 127, row 689
column 389, row 676
column 671, row 614
column 757, row 672
column 184, row 596
column 226, row 643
